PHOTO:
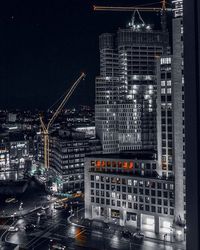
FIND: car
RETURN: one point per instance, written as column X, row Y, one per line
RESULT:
column 56, row 245
column 29, row 227
column 9, row 200
column 41, row 213
column 13, row 229
column 58, row 205
column 45, row 207
column 138, row 236
column 126, row 234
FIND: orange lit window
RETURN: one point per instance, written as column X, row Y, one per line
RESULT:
column 98, row 164
column 108, row 163
column 125, row 164
column 131, row 165
column 119, row 164
column 103, row 164
column 113, row 164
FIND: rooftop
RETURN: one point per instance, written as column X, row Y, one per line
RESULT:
column 132, row 155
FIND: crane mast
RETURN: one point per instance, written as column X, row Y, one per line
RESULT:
column 46, row 128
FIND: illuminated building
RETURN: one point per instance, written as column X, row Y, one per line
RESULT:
column 178, row 111
column 170, row 117
column 19, row 149
column 67, row 155
column 165, row 117
column 4, row 158
column 125, row 110
column 125, row 189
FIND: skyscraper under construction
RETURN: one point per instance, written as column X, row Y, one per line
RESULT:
column 126, row 88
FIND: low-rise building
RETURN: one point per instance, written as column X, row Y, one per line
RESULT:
column 67, row 156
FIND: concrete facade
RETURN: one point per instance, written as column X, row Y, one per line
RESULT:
column 127, row 191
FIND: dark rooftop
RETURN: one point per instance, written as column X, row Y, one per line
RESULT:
column 132, row 155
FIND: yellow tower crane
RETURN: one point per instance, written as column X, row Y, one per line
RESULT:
column 136, row 9
column 46, row 128
column 133, row 8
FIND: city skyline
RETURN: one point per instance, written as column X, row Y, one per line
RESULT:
column 107, row 168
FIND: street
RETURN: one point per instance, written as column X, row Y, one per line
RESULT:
column 58, row 229
column 56, row 226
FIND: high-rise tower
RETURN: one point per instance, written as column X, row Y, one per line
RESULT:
column 126, row 88
column 178, row 110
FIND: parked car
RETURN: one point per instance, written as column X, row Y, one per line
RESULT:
column 126, row 234
column 138, row 236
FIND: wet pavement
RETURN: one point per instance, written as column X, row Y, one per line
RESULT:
column 64, row 228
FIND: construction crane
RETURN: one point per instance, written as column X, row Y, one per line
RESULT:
column 46, row 128
column 136, row 9
column 133, row 8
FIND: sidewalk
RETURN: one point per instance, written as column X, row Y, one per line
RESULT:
column 78, row 220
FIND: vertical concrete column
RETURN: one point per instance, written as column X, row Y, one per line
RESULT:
column 139, row 222
column 121, row 220
column 157, row 224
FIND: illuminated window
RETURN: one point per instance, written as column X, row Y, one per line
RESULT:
column 130, row 182
column 98, row 164
column 131, row 165
column 103, row 164
column 125, row 164
column 108, row 163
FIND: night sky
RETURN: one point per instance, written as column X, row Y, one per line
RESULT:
column 45, row 45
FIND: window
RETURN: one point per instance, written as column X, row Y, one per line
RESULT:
column 113, row 202
column 129, row 197
column 123, row 196
column 134, row 183
column 107, row 202
column 129, row 182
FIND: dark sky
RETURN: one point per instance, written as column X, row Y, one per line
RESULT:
column 45, row 45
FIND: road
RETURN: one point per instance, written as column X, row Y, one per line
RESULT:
column 54, row 225
column 58, row 229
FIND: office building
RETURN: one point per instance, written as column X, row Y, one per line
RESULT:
column 178, row 111
column 67, row 153
column 125, row 189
